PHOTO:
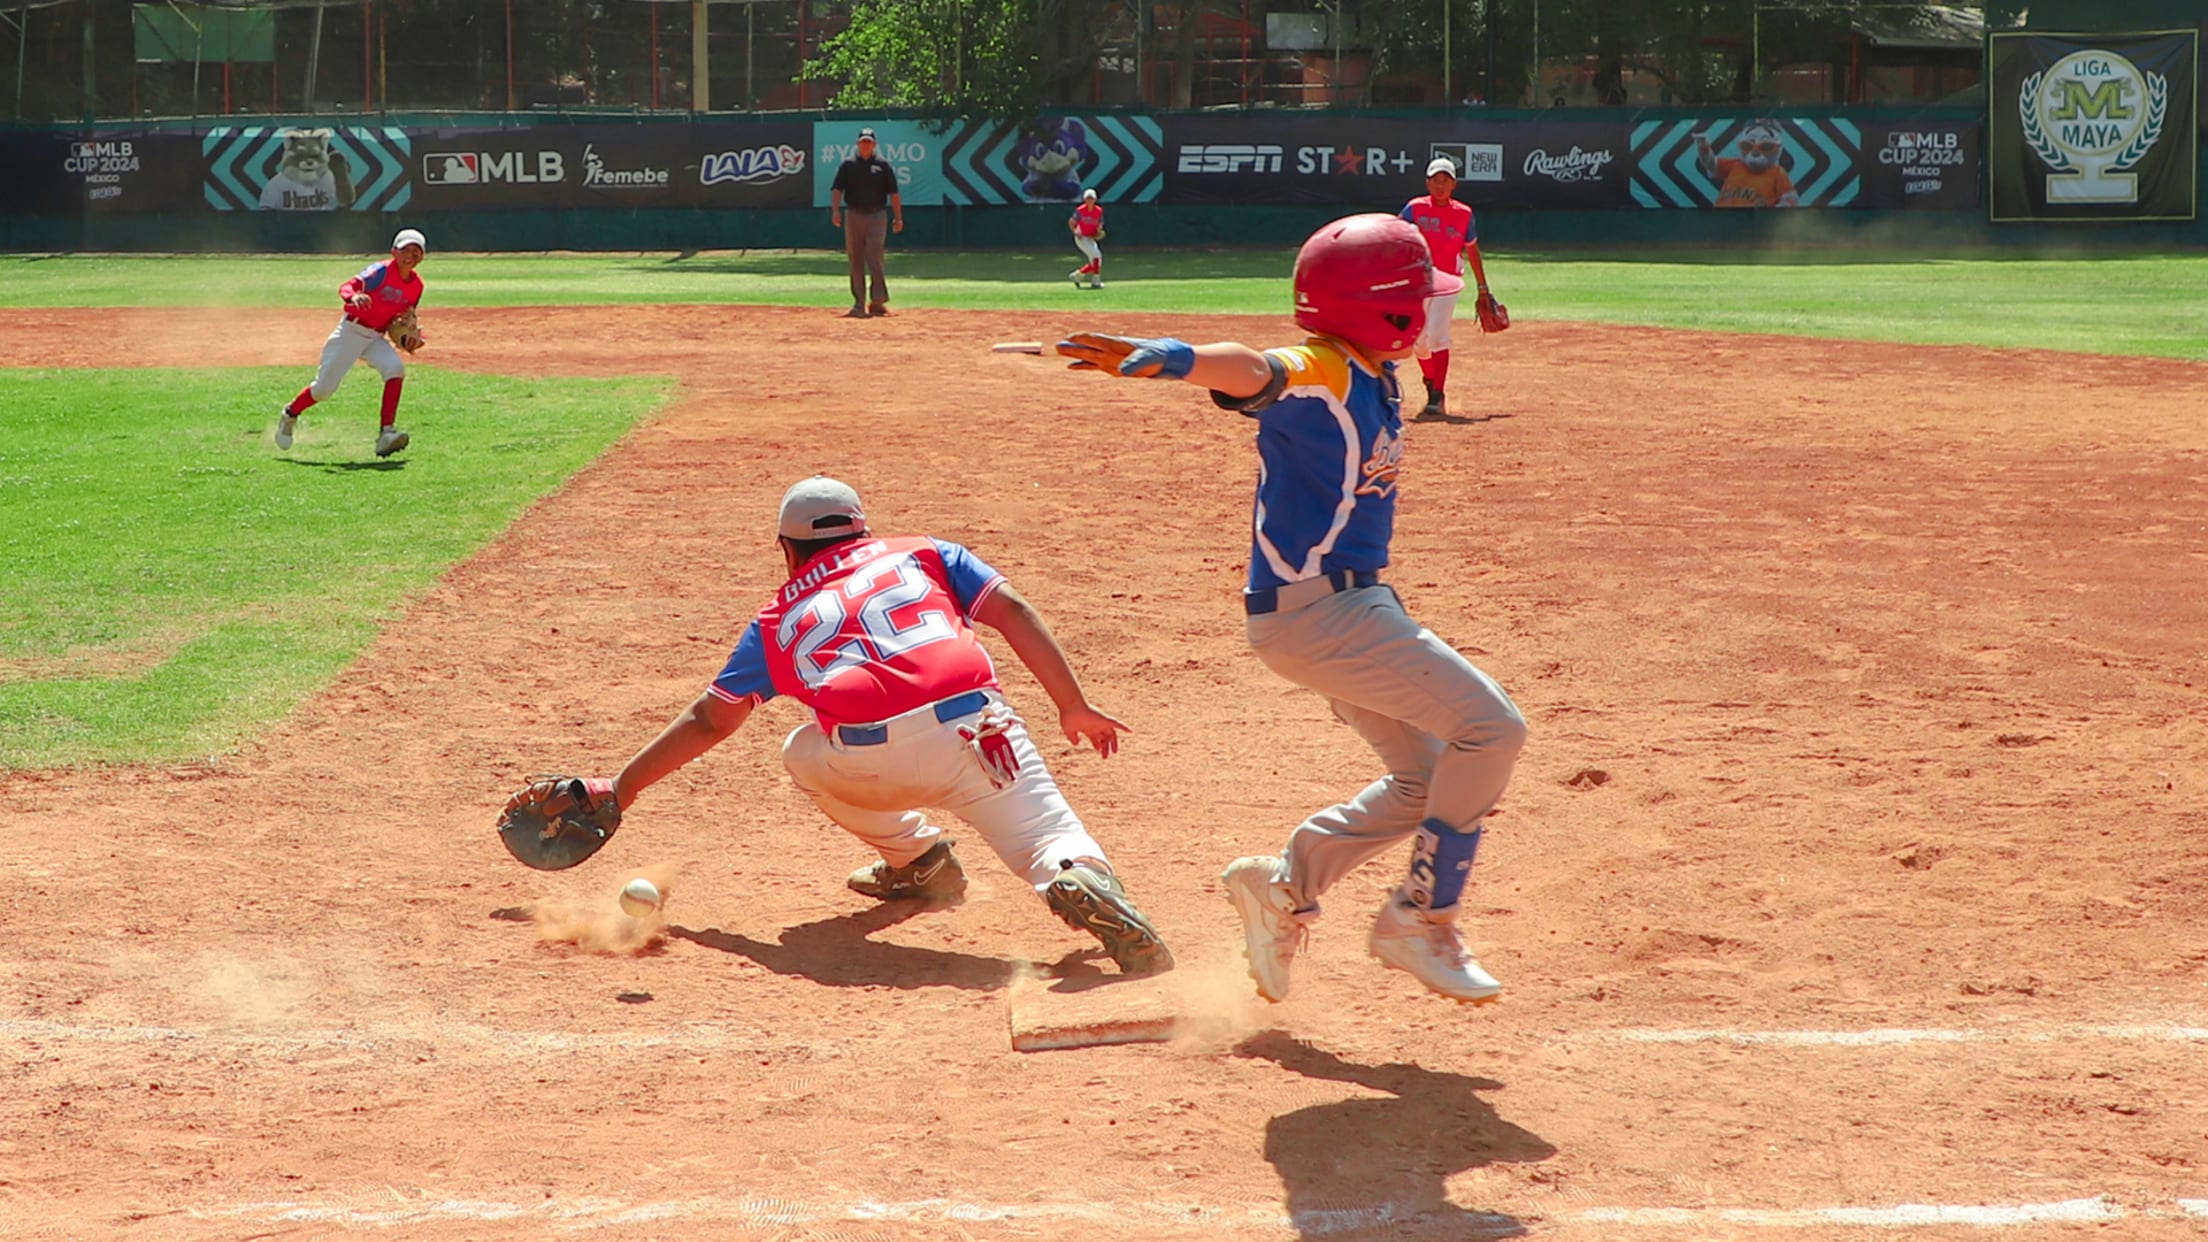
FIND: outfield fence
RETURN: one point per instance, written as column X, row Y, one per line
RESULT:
column 512, row 182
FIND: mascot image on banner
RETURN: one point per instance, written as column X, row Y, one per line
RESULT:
column 1756, row 178
column 311, row 176
column 1050, row 155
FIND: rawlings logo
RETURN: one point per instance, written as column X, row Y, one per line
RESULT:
column 1573, row 165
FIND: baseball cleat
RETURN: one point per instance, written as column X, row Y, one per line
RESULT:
column 390, row 440
column 1431, row 953
column 877, row 310
column 934, row 876
column 286, row 421
column 1437, row 406
column 856, row 312
column 1272, row 931
column 1093, row 901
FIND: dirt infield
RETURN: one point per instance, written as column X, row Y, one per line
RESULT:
column 1855, row 861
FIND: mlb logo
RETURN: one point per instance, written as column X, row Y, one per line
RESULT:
column 452, row 169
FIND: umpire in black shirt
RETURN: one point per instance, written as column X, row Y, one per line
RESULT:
column 863, row 185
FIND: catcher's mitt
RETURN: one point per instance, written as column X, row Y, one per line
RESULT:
column 406, row 331
column 1494, row 316
column 559, row 821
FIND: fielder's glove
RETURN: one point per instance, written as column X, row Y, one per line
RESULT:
column 406, row 331
column 559, row 821
column 1494, row 316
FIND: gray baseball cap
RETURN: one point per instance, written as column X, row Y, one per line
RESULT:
column 821, row 508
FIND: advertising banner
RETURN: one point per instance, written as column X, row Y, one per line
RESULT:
column 1381, row 162
column 66, row 174
column 2092, row 127
column 913, row 148
column 1747, row 162
column 1911, row 164
column 611, row 166
column 298, row 168
column 1053, row 159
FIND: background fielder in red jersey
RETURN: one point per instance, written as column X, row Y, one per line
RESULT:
column 1453, row 236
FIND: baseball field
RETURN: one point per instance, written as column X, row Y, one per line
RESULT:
column 1852, row 884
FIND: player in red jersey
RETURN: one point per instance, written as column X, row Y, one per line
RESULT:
column 874, row 635
column 1087, row 223
column 1450, row 234
column 381, row 293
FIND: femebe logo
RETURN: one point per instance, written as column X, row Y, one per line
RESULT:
column 485, row 168
column 1230, row 158
column 2089, row 117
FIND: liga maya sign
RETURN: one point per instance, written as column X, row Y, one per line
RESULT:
column 2092, row 127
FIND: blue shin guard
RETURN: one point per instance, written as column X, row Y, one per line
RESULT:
column 1441, row 861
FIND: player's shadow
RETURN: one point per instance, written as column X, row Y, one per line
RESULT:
column 840, row 953
column 335, row 467
column 1379, row 1167
column 1461, row 419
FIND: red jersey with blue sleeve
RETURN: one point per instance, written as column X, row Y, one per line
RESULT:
column 389, row 295
column 1448, row 228
column 867, row 630
column 1088, row 219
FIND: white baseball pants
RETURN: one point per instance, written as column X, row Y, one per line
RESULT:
column 1089, row 247
column 352, row 343
column 1440, row 311
column 873, row 792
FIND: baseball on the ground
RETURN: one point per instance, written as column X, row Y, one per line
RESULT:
column 639, row 897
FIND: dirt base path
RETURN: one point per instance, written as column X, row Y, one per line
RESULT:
column 1866, row 691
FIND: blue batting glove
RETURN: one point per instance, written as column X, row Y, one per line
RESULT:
column 1161, row 358
column 1135, row 357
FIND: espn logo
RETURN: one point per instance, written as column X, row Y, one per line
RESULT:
column 1475, row 161
column 1230, row 159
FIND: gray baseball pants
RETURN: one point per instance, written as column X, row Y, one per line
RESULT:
column 865, row 244
column 1447, row 733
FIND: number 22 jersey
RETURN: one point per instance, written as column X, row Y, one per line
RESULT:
column 867, row 630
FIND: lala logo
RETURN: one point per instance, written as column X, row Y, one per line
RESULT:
column 1380, row 468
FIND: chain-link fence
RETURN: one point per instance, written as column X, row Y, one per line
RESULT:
column 109, row 59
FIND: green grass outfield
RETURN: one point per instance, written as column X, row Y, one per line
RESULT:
column 2142, row 304
column 174, row 583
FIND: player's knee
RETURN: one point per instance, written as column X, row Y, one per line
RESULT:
column 1501, row 733
column 392, row 370
column 321, row 391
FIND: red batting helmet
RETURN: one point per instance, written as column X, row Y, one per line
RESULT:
column 1366, row 279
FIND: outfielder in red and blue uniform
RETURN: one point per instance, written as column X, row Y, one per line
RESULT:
column 1087, row 223
column 382, row 292
column 1330, row 448
column 875, row 637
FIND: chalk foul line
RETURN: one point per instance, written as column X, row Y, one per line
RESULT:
column 398, row 1208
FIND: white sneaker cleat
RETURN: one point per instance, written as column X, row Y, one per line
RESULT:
column 389, row 440
column 1097, row 283
column 1431, row 953
column 1272, row 932
column 285, row 422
